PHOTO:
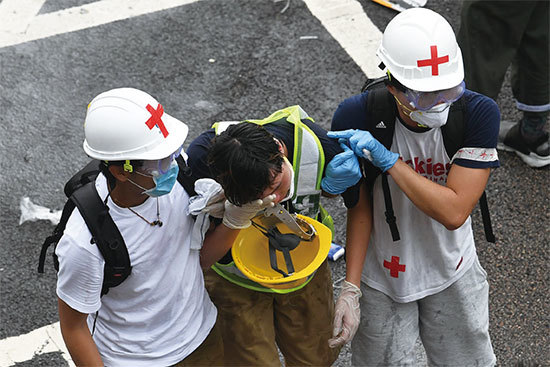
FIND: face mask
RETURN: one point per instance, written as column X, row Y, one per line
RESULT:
column 163, row 182
column 433, row 118
column 291, row 188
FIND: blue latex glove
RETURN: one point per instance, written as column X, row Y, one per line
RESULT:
column 365, row 145
column 343, row 171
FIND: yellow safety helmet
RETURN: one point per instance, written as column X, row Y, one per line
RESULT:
column 260, row 251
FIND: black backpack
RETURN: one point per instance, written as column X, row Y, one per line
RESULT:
column 381, row 107
column 82, row 194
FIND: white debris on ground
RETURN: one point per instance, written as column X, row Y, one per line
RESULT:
column 32, row 212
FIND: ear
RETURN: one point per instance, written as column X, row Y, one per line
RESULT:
column 119, row 173
column 282, row 147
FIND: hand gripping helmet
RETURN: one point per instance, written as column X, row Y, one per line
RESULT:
column 269, row 253
column 419, row 49
column 128, row 124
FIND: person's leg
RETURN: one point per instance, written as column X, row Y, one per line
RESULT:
column 454, row 324
column 489, row 36
column 209, row 353
column 245, row 318
column 387, row 333
column 530, row 85
column 303, row 322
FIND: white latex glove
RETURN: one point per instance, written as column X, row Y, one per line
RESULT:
column 238, row 217
column 346, row 316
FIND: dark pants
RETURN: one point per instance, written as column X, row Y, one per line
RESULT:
column 495, row 34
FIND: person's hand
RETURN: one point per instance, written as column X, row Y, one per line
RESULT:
column 238, row 217
column 347, row 315
column 365, row 145
column 343, row 171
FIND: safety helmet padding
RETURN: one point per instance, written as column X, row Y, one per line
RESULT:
column 116, row 127
column 410, row 38
column 251, row 254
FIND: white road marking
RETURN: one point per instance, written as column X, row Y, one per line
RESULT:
column 47, row 339
column 20, row 22
column 346, row 21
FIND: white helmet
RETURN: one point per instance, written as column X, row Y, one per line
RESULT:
column 419, row 49
column 127, row 124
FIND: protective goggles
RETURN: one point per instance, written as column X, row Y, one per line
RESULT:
column 160, row 166
column 425, row 100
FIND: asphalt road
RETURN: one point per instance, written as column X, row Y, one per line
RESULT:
column 228, row 60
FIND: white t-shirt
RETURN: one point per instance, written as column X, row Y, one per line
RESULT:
column 428, row 258
column 161, row 312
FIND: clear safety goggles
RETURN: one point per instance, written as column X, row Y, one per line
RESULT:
column 425, row 100
column 160, row 166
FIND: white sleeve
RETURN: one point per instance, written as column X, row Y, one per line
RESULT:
column 80, row 274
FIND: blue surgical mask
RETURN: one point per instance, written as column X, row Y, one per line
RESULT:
column 163, row 182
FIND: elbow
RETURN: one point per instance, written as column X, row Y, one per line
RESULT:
column 454, row 222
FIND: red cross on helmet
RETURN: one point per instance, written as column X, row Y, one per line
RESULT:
column 128, row 124
column 419, row 49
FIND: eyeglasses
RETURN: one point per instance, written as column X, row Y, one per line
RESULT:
column 425, row 100
column 160, row 166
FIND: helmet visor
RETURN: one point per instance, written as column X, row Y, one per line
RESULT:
column 160, row 166
column 425, row 100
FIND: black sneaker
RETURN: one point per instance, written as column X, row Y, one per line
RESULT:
column 534, row 154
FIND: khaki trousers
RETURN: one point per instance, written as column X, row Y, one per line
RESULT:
column 254, row 323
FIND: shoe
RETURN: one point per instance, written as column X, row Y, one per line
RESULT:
column 535, row 154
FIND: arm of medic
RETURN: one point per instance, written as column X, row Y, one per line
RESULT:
column 347, row 312
column 218, row 239
column 450, row 205
column 77, row 337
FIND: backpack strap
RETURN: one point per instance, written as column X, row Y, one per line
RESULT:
column 105, row 234
column 380, row 122
column 454, row 132
column 55, row 237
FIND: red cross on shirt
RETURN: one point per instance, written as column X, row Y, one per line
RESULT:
column 434, row 61
column 394, row 266
column 156, row 119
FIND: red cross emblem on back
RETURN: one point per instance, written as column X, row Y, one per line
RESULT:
column 394, row 266
column 156, row 119
column 434, row 61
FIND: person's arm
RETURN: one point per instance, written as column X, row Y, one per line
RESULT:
column 450, row 205
column 359, row 226
column 347, row 312
column 77, row 336
column 217, row 242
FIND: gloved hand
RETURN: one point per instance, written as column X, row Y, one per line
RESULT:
column 238, row 217
column 343, row 171
column 347, row 315
column 360, row 141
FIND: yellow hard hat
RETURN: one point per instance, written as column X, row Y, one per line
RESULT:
column 260, row 251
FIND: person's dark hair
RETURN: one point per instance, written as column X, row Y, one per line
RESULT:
column 244, row 159
column 104, row 168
